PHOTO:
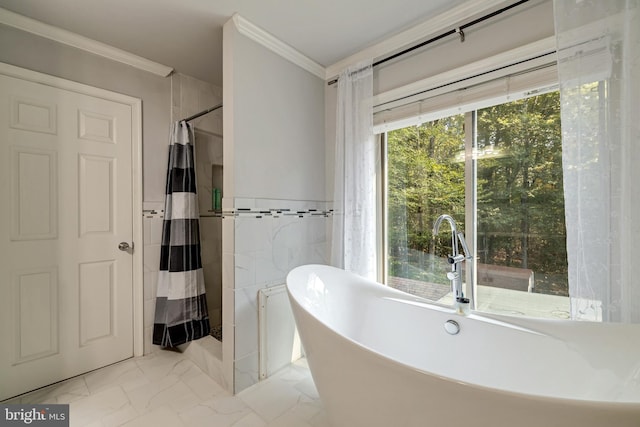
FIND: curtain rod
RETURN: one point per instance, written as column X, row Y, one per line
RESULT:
column 458, row 30
column 201, row 113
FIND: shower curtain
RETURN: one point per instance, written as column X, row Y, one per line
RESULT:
column 181, row 307
column 598, row 44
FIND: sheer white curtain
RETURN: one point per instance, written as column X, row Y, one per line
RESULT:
column 354, row 217
column 599, row 71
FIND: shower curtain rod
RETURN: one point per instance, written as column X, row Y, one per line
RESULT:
column 201, row 113
column 458, row 30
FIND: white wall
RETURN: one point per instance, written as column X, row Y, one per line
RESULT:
column 330, row 100
column 275, row 115
column 274, row 187
column 46, row 56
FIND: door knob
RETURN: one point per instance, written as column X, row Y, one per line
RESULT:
column 124, row 246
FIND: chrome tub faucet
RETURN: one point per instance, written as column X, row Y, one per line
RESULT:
column 455, row 259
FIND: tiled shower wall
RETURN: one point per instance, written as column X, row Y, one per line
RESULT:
column 208, row 153
column 188, row 96
column 270, row 237
column 152, row 224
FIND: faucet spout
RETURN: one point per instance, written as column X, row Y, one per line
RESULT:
column 438, row 221
column 456, row 258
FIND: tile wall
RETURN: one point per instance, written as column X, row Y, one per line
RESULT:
column 264, row 239
column 209, row 176
column 269, row 238
column 190, row 96
column 152, row 235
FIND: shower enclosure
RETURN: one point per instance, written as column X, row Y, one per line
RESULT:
column 208, row 147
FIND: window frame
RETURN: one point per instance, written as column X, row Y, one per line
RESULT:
column 471, row 187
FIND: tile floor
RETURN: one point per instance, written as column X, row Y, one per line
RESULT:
column 167, row 389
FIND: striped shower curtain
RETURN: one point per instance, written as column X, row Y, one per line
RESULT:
column 181, row 306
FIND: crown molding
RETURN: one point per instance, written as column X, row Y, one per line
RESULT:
column 260, row 36
column 415, row 34
column 59, row 35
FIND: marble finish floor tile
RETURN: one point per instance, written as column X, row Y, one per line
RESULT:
column 166, row 388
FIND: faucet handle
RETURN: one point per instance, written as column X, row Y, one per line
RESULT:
column 453, row 275
column 465, row 248
column 454, row 259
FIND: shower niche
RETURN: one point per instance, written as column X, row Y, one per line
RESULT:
column 208, row 158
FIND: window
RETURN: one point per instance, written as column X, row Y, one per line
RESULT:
column 425, row 177
column 498, row 172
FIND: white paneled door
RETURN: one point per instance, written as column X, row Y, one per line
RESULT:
column 66, row 207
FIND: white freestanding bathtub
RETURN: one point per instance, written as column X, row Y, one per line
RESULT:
column 381, row 357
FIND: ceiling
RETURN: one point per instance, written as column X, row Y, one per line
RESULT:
column 187, row 34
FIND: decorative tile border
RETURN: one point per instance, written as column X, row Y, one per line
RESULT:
column 251, row 213
column 153, row 213
column 276, row 213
